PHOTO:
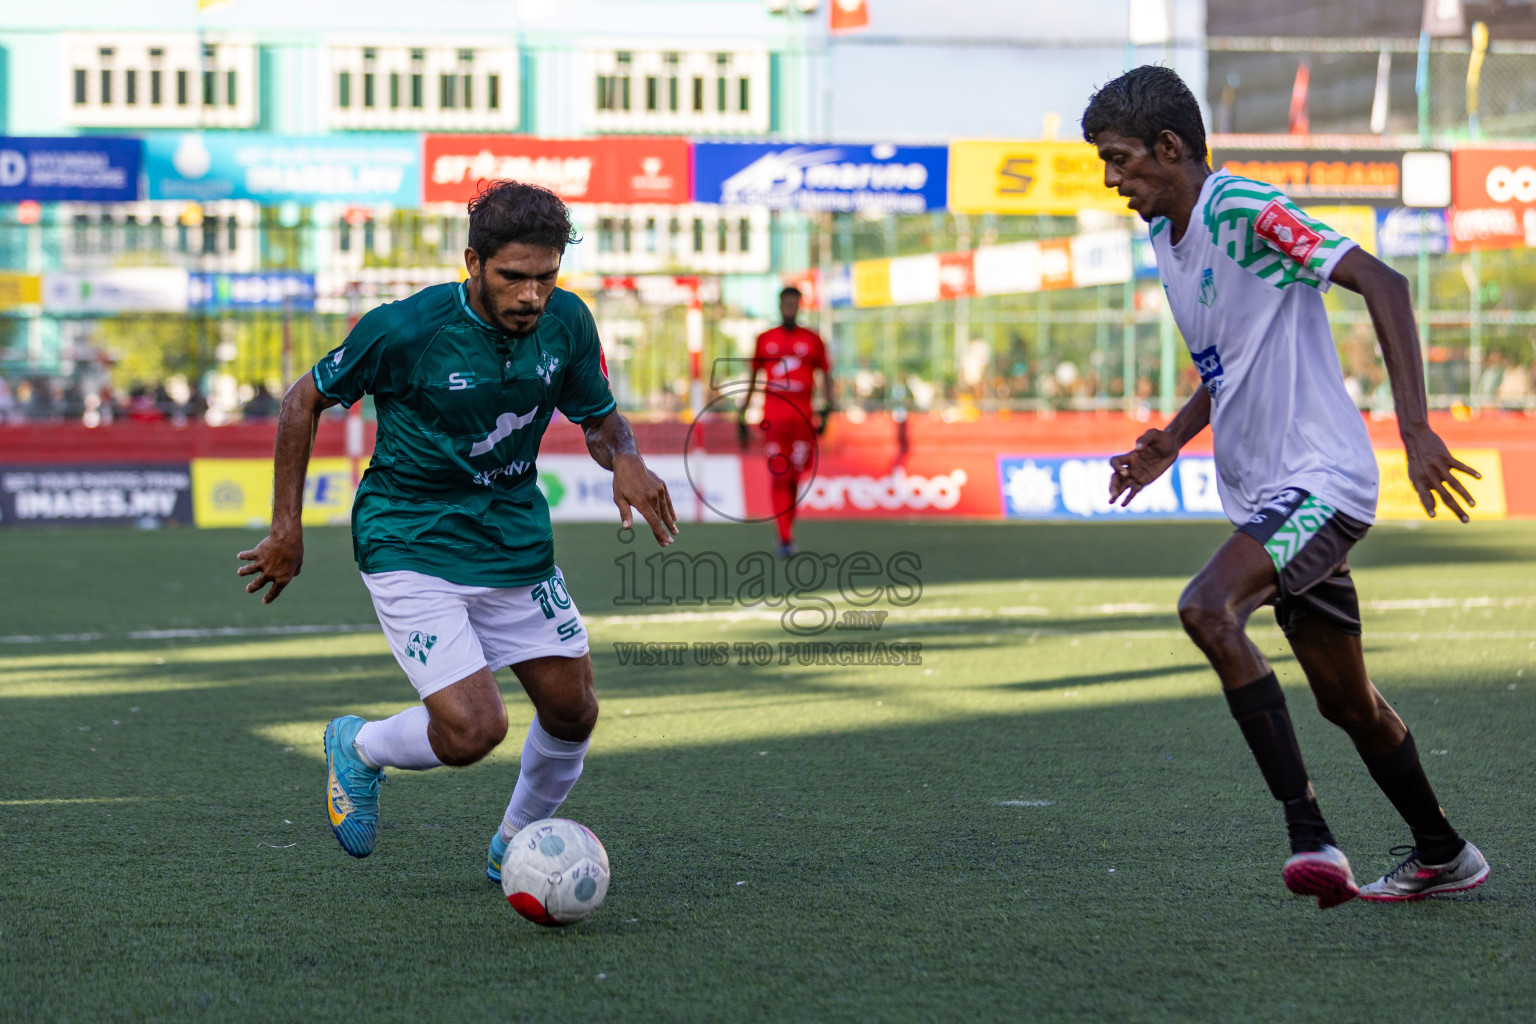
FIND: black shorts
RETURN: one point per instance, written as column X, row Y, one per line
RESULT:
column 1309, row 543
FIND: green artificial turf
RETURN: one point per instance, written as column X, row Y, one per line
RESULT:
column 1051, row 817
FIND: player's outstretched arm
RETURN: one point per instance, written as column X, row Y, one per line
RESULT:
column 1156, row 449
column 1390, row 305
column 612, row 444
column 280, row 555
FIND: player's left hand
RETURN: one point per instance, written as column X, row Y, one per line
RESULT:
column 636, row 487
column 1429, row 470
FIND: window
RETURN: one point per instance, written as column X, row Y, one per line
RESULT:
column 416, row 94
column 448, row 91
column 231, row 233
column 394, row 91
column 744, row 235
column 650, row 235
column 698, row 235
column 344, row 236
column 744, row 94
column 624, row 234
column 368, row 89
column 123, row 80
column 605, row 235
column 493, row 92
column 722, row 234
column 210, row 235
column 698, row 95
column 469, row 92
column 651, row 83
column 344, row 90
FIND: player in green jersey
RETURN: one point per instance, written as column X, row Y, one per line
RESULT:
column 449, row 528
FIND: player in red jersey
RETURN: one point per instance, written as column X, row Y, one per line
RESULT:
column 788, row 357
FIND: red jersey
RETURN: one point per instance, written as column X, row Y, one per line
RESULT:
column 786, row 361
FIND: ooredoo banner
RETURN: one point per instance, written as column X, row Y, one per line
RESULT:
column 609, row 170
column 95, row 494
column 1493, row 177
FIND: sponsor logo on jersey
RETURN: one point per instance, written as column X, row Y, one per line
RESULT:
column 459, row 382
column 1208, row 362
column 1285, row 230
column 548, row 364
column 506, row 423
column 1208, row 288
column 419, row 645
column 336, row 359
column 489, row 476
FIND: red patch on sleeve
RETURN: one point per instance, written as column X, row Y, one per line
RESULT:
column 602, row 361
column 1290, row 235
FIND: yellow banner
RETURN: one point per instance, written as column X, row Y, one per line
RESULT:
column 872, row 283
column 1357, row 223
column 238, row 492
column 1400, row 501
column 20, row 290
column 1062, row 178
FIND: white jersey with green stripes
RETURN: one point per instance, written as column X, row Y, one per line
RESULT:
column 1245, row 285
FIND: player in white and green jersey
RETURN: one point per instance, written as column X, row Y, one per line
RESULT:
column 1244, row 270
column 449, row 528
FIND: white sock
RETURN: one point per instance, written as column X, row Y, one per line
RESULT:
column 399, row 741
column 549, row 769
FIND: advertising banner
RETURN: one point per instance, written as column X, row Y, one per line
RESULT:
column 20, row 289
column 276, row 290
column 1493, row 177
column 130, row 290
column 1355, row 222
column 1370, row 177
column 1061, row 178
column 706, row 487
column 1401, row 231
column 93, row 494
column 822, row 178
column 1077, row 487
column 77, row 169
column 1398, row 499
column 238, row 492
column 924, row 484
column 362, row 169
column 608, row 170
column 1491, row 227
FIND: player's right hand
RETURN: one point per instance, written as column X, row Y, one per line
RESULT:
column 1154, row 453
column 276, row 560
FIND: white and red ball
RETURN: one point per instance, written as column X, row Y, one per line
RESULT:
column 555, row 872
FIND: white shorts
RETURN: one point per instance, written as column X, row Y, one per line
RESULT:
column 441, row 632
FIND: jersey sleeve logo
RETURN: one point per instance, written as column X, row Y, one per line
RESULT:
column 1286, row 232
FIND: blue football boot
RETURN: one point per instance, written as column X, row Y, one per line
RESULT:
column 352, row 789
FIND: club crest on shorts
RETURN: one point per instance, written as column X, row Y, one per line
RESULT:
column 419, row 645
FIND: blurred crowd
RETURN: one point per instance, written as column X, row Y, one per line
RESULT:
column 176, row 401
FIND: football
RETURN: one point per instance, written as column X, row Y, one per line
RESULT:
column 555, row 872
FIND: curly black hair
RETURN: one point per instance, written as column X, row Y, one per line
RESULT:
column 1142, row 104
column 513, row 211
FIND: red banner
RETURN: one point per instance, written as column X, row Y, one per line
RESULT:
column 1489, row 227
column 612, row 170
column 1493, row 177
column 849, row 15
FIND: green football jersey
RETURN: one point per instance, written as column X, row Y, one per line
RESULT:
column 451, row 489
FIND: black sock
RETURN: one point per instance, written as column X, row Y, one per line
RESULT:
column 1401, row 777
column 1260, row 711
